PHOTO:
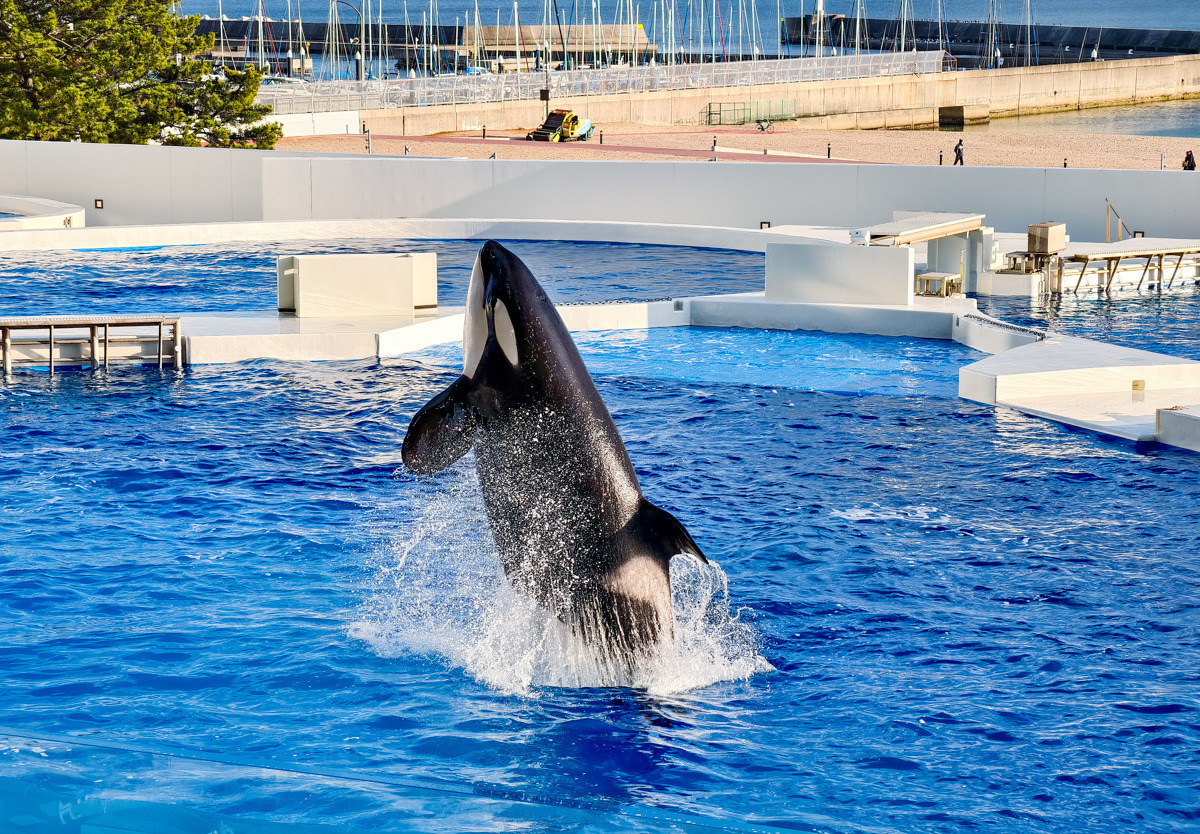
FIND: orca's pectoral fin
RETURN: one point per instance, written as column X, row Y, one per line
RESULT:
column 441, row 432
column 665, row 534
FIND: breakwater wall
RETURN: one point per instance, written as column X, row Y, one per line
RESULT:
column 1017, row 43
column 908, row 101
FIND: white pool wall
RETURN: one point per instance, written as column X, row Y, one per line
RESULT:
column 206, row 185
column 37, row 213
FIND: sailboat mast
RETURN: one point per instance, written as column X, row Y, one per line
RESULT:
column 260, row 48
column 941, row 27
column 517, row 30
column 222, row 42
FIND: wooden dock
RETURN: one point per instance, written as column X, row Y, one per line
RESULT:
column 90, row 341
column 1151, row 252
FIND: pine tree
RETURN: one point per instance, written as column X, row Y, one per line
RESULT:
column 120, row 71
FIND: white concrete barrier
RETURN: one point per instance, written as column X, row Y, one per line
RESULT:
column 1180, row 426
column 35, row 213
column 840, row 274
column 319, row 124
column 327, row 286
column 928, row 318
column 624, row 315
column 183, row 185
column 990, row 335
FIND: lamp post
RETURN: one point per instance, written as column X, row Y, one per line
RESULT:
column 362, row 40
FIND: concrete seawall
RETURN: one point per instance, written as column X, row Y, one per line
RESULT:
column 864, row 103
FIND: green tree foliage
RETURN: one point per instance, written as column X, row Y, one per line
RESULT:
column 120, row 71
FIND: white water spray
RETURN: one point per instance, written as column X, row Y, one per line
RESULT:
column 441, row 592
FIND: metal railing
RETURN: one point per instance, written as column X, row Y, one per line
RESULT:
column 737, row 113
column 327, row 96
column 1038, row 335
column 86, row 340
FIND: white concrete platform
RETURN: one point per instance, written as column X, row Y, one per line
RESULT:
column 447, row 328
column 237, row 337
column 1105, row 388
column 234, row 337
column 908, row 227
column 925, row 318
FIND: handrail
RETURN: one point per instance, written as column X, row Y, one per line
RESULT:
column 1003, row 325
column 42, row 322
column 1110, row 211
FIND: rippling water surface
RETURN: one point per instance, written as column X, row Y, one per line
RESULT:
column 922, row 614
column 242, row 277
column 1167, row 322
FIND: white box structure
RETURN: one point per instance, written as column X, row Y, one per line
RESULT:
column 1180, row 426
column 336, row 286
column 840, row 274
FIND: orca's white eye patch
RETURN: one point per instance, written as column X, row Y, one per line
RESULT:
column 505, row 334
column 475, row 328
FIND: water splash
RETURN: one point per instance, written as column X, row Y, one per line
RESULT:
column 440, row 591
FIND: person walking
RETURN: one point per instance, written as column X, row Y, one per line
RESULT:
column 1189, row 162
column 958, row 157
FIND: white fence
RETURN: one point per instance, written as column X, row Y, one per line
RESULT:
column 322, row 97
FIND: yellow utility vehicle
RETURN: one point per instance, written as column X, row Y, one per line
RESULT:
column 562, row 126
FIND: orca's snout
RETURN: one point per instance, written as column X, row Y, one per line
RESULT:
column 497, row 266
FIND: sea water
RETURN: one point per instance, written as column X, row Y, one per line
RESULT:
column 226, row 602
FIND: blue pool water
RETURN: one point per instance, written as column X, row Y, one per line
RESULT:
column 1167, row 322
column 222, row 593
column 242, row 277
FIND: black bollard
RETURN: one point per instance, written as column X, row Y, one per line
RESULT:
column 485, row 131
column 829, row 151
column 602, row 137
column 714, row 143
column 1064, row 162
column 939, row 157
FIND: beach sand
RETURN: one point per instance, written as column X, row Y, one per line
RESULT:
column 787, row 143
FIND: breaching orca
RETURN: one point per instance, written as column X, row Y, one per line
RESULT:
column 571, row 525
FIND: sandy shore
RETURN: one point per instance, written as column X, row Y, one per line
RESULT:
column 787, row 143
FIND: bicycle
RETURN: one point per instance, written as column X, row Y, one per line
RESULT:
column 765, row 126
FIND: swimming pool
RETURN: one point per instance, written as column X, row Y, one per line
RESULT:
column 1167, row 322
column 242, row 277
column 938, row 616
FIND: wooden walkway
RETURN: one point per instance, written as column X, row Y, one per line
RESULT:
column 1149, row 249
column 95, row 341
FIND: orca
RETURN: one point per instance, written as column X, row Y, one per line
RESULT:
column 571, row 525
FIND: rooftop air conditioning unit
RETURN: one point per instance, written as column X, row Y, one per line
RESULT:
column 1047, row 238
